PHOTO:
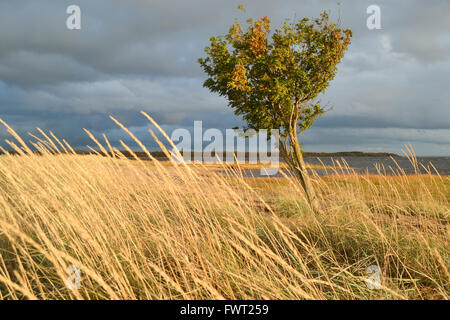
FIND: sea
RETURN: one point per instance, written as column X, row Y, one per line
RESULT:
column 374, row 165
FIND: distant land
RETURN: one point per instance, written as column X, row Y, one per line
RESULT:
column 350, row 154
column 160, row 155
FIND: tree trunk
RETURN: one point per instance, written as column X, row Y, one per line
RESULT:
column 297, row 165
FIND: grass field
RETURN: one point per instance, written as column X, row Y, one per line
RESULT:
column 161, row 231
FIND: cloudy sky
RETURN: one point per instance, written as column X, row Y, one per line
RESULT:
column 392, row 87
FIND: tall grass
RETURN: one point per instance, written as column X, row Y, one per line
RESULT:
column 143, row 230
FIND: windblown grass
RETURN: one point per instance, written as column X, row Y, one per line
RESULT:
column 187, row 232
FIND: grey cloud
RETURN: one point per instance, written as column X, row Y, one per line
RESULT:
column 27, row 68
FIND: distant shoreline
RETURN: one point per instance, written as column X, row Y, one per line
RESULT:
column 159, row 154
column 350, row 154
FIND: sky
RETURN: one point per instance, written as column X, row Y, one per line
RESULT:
column 391, row 88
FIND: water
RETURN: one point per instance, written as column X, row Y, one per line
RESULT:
column 369, row 165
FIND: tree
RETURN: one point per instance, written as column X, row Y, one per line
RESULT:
column 273, row 79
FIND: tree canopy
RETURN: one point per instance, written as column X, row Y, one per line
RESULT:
column 273, row 79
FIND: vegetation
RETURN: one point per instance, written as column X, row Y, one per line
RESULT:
column 185, row 232
column 274, row 83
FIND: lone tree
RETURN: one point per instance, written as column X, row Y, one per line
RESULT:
column 273, row 79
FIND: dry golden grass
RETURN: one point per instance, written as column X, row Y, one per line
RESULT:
column 187, row 232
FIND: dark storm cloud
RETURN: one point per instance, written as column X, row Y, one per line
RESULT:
column 137, row 55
